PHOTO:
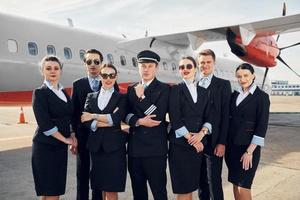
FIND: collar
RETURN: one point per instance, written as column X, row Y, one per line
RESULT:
column 111, row 90
column 93, row 78
column 201, row 76
column 251, row 89
column 51, row 87
column 189, row 82
column 147, row 83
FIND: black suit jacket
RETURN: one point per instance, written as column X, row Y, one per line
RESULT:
column 219, row 92
column 109, row 138
column 50, row 111
column 249, row 118
column 184, row 112
column 148, row 141
column 81, row 88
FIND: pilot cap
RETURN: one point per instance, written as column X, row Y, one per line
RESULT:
column 147, row 56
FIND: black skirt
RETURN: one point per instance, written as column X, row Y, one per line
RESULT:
column 185, row 167
column 236, row 174
column 108, row 171
column 49, row 168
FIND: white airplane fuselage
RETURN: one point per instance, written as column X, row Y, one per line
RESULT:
column 21, row 39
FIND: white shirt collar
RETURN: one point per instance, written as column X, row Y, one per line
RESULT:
column 147, row 83
column 48, row 84
column 189, row 82
column 111, row 90
column 201, row 76
column 94, row 78
column 251, row 89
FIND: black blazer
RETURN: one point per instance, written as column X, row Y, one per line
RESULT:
column 148, row 141
column 109, row 138
column 219, row 92
column 184, row 112
column 50, row 111
column 249, row 118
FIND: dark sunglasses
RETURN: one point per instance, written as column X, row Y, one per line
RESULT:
column 188, row 66
column 111, row 76
column 89, row 62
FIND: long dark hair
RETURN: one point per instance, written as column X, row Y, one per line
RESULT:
column 190, row 59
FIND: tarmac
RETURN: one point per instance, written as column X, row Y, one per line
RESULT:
column 277, row 177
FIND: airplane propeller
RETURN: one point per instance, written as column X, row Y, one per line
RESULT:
column 279, row 57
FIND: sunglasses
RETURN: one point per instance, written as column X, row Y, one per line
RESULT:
column 188, row 66
column 89, row 62
column 111, row 76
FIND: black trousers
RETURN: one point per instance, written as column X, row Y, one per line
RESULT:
column 211, row 177
column 83, row 173
column 151, row 169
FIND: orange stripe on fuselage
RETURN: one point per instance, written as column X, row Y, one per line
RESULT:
column 25, row 97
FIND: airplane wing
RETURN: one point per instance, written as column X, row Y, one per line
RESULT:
column 196, row 38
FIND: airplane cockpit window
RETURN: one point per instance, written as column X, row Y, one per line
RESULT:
column 81, row 54
column 134, row 62
column 32, row 48
column 67, row 53
column 173, row 66
column 12, row 46
column 110, row 58
column 51, row 50
column 123, row 60
column 165, row 65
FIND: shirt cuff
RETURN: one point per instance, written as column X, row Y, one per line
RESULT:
column 128, row 117
column 109, row 119
column 209, row 127
column 51, row 131
column 94, row 125
column 181, row 132
column 258, row 140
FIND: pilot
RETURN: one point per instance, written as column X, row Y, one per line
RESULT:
column 52, row 108
column 81, row 87
column 147, row 146
column 189, row 117
column 249, row 115
column 219, row 91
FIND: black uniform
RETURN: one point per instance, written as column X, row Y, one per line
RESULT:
column 219, row 92
column 49, row 155
column 81, row 88
column 107, row 145
column 147, row 147
column 247, row 119
column 184, row 161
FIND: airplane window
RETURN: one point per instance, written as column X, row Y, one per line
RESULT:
column 67, row 53
column 81, row 54
column 110, row 58
column 32, row 48
column 123, row 60
column 134, row 62
column 12, row 46
column 165, row 65
column 51, row 50
column 173, row 66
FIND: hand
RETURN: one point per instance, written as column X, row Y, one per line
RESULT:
column 86, row 116
column 68, row 141
column 148, row 121
column 247, row 161
column 196, row 138
column 188, row 136
column 75, row 141
column 139, row 90
column 199, row 147
column 103, row 124
column 219, row 150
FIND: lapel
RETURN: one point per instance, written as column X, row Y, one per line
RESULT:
column 55, row 96
column 87, row 86
column 248, row 99
column 152, row 91
column 188, row 95
column 111, row 103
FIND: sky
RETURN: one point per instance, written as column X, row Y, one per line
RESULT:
column 134, row 17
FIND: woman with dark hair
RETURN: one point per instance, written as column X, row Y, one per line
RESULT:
column 104, row 111
column 189, row 117
column 53, row 111
column 249, row 115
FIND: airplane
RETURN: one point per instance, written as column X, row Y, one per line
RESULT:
column 24, row 42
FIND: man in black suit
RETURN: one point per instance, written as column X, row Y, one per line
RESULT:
column 219, row 91
column 81, row 87
column 147, row 145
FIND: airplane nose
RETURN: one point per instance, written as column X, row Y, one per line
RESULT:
column 236, row 48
